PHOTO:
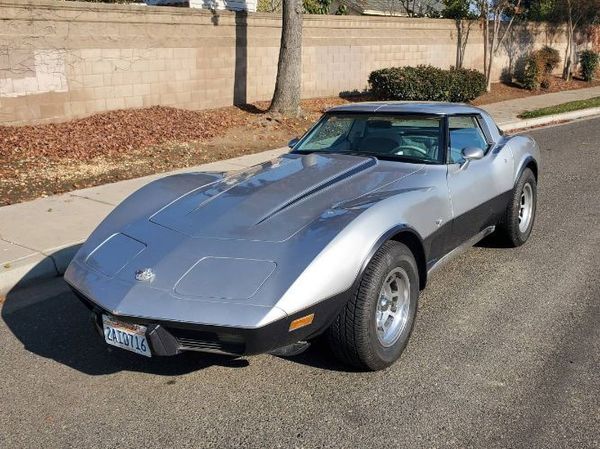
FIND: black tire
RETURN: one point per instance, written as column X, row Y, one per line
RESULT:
column 353, row 335
column 509, row 229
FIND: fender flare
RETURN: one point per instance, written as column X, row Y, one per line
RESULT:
column 523, row 165
column 388, row 235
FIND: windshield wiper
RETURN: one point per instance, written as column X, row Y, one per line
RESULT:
column 316, row 151
column 385, row 157
column 391, row 157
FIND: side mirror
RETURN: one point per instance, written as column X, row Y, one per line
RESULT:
column 470, row 154
column 292, row 143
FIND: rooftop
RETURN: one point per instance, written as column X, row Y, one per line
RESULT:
column 417, row 8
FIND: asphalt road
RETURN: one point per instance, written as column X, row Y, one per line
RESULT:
column 505, row 353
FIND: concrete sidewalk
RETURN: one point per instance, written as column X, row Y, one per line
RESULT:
column 38, row 238
column 506, row 112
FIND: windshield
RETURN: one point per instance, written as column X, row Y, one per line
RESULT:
column 396, row 137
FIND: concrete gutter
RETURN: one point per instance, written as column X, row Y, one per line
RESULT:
column 39, row 238
column 548, row 119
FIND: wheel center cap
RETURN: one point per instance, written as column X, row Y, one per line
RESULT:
column 384, row 302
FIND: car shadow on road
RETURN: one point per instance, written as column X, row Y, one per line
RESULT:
column 319, row 355
column 493, row 241
column 48, row 320
column 51, row 322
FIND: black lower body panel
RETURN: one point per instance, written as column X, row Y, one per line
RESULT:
column 170, row 337
column 465, row 226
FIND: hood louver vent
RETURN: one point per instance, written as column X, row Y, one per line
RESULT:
column 318, row 187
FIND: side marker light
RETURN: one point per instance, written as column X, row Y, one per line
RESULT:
column 302, row 322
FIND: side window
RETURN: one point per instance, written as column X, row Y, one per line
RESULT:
column 464, row 132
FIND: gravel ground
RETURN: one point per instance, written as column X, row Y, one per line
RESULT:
column 505, row 353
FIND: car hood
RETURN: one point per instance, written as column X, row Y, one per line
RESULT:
column 273, row 201
column 241, row 238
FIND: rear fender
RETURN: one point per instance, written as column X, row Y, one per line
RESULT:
column 526, row 154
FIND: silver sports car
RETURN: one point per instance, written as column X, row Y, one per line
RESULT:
column 335, row 238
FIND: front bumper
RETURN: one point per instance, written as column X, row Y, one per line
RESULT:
column 171, row 337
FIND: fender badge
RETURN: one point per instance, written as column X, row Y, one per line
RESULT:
column 146, row 275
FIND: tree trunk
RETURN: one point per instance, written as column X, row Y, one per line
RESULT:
column 572, row 52
column 566, row 65
column 570, row 44
column 491, row 52
column 485, row 45
column 488, row 49
column 494, row 38
column 459, row 43
column 465, row 31
column 286, row 98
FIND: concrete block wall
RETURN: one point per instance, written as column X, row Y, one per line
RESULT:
column 63, row 60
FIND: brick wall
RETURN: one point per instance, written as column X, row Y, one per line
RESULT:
column 61, row 60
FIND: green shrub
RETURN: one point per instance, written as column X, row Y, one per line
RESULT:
column 531, row 75
column 550, row 58
column 538, row 68
column 589, row 61
column 467, row 84
column 316, row 6
column 426, row 83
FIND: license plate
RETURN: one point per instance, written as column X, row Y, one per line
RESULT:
column 126, row 336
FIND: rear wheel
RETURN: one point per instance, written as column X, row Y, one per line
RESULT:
column 374, row 327
column 519, row 217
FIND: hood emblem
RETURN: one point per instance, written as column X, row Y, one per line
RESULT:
column 145, row 275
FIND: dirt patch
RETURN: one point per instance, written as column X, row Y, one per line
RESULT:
column 41, row 160
column 37, row 161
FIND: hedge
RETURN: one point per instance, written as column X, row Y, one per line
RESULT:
column 589, row 64
column 426, row 83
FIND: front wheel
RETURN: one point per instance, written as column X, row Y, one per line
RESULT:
column 374, row 327
column 519, row 217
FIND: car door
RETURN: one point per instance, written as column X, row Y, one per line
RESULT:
column 475, row 188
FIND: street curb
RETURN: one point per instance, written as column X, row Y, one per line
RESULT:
column 36, row 267
column 25, row 271
column 548, row 119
